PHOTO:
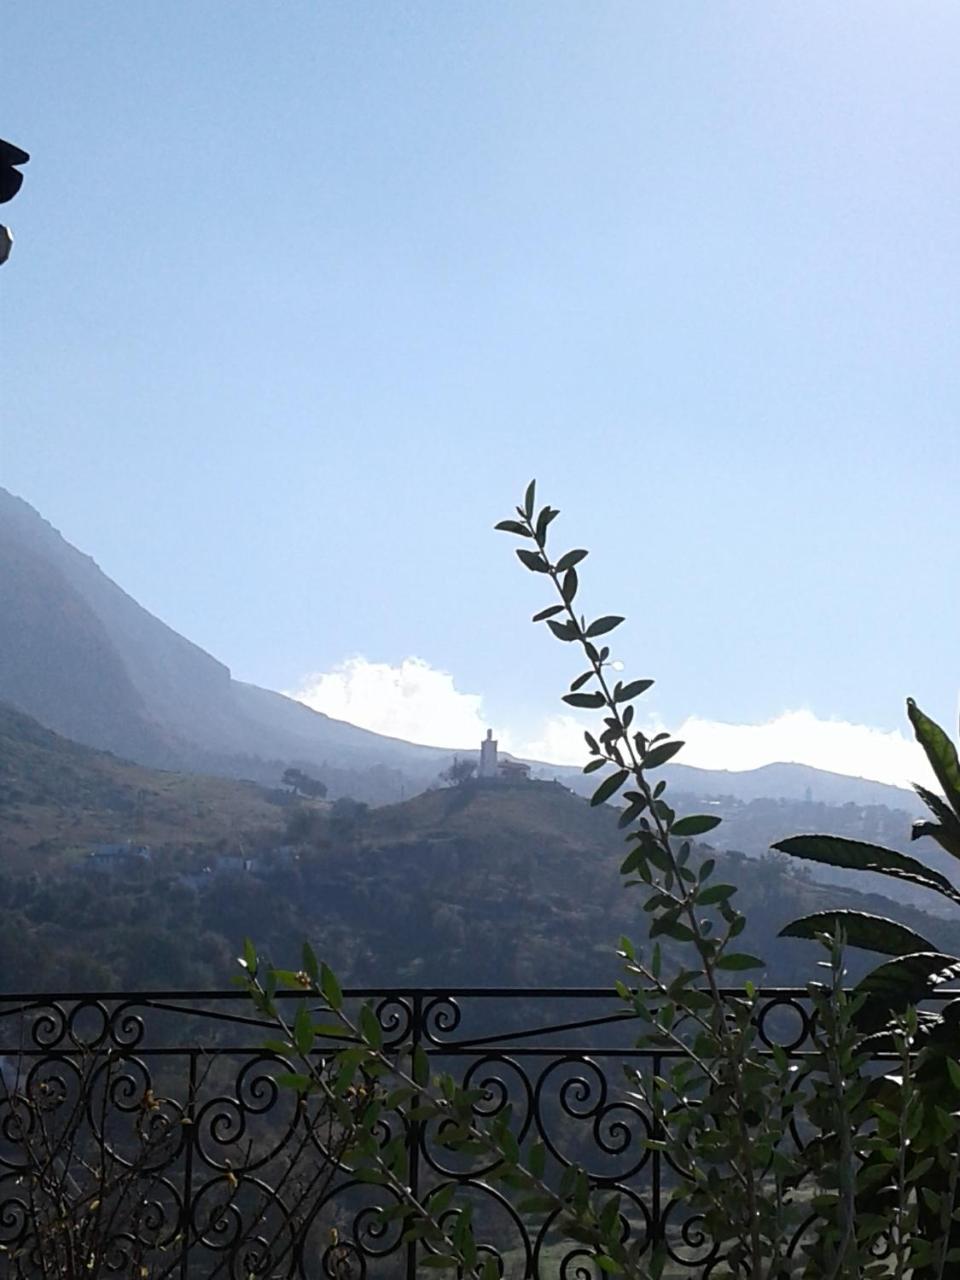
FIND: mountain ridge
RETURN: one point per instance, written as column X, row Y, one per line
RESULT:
column 85, row 659
column 174, row 705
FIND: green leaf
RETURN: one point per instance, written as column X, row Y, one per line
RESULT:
column 624, row 692
column 563, row 630
column 441, row 1199
column 860, row 929
column 695, row 825
column 512, row 526
column 632, row 812
column 856, row 855
column 547, row 613
column 286, row 978
column 898, row 984
column 309, row 961
column 532, row 559
column 679, row 932
column 947, row 835
column 659, row 755
column 331, row 1030
column 303, row 1029
column 939, row 750
column 421, row 1066
column 590, row 700
column 609, row 786
column 538, row 1159
column 716, row 893
column 953, row 1070
column 331, row 988
column 249, row 957
column 602, row 626
column 543, row 520
column 293, row 1080
column 738, row 960
column 529, row 498
column 568, row 560
column 569, row 585
column 370, row 1027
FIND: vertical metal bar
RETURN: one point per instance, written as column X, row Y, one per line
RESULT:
column 190, row 1115
column 414, row 1134
column 655, row 1184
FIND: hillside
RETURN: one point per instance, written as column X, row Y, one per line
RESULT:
column 85, row 659
column 476, row 885
column 57, row 796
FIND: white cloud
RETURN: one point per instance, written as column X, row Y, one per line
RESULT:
column 797, row 737
column 559, row 741
column 415, row 701
column 412, row 700
column 800, row 737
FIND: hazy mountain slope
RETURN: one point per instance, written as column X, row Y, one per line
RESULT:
column 770, row 781
column 58, row 661
column 792, row 782
column 83, row 657
column 86, row 659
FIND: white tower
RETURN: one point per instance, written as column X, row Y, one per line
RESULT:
column 488, row 756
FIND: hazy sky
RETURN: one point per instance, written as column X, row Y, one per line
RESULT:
column 304, row 293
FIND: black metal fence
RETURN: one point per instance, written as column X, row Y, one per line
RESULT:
column 161, row 1111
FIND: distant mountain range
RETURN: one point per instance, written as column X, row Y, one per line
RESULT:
column 769, row 782
column 86, row 660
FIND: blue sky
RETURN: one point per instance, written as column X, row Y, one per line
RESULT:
column 302, row 295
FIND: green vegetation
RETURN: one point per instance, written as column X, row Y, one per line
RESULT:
column 872, row 1190
column 506, row 885
column 58, row 797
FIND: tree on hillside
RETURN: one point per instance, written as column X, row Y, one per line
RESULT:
column 347, row 817
column 302, row 784
column 459, row 772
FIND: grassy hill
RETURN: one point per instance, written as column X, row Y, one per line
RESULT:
column 543, row 812
column 57, row 796
column 472, row 885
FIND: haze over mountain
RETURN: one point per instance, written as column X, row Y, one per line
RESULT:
column 85, row 659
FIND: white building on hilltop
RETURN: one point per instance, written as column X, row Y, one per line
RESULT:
column 488, row 756
column 492, row 767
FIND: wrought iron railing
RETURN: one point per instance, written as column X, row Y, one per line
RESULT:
column 239, row 1183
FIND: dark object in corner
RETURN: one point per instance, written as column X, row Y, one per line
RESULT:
column 11, row 178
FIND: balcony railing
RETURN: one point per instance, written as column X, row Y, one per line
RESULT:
column 238, row 1180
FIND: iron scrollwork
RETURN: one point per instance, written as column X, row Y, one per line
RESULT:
column 174, row 1103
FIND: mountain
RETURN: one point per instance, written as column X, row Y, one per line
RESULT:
column 769, row 782
column 85, row 659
